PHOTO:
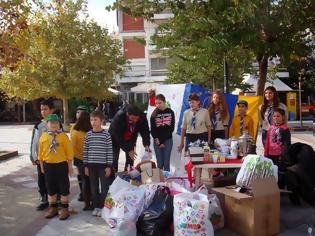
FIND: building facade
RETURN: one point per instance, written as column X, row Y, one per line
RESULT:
column 146, row 67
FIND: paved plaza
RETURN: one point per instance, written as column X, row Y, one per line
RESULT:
column 19, row 197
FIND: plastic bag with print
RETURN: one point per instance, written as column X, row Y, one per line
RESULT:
column 255, row 167
column 123, row 205
column 191, row 215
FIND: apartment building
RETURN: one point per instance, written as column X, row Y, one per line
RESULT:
column 146, row 67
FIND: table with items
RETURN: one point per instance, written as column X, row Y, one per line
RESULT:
column 225, row 156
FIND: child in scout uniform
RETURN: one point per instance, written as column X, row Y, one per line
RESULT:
column 196, row 123
column 219, row 116
column 76, row 134
column 242, row 122
column 55, row 154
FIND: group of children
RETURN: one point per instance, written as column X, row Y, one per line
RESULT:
column 91, row 147
column 90, row 150
column 207, row 125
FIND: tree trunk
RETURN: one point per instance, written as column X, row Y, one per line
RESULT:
column 65, row 111
column 263, row 67
column 24, row 115
column 18, row 112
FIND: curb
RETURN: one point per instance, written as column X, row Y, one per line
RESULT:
column 304, row 128
column 4, row 155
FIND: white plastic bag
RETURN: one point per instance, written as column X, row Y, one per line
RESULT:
column 218, row 142
column 191, row 215
column 146, row 156
column 176, row 188
column 123, row 205
column 255, row 167
column 215, row 212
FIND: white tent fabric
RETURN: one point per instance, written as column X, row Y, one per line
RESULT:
column 143, row 88
column 252, row 80
column 114, row 91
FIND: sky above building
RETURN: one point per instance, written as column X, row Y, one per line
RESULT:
column 104, row 18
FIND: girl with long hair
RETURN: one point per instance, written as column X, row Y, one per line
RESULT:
column 271, row 101
column 162, row 126
column 219, row 116
column 78, row 132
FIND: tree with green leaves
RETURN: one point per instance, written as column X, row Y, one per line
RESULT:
column 202, row 33
column 67, row 56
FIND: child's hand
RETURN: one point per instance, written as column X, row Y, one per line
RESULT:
column 107, row 171
column 157, row 141
column 180, row 147
column 132, row 154
column 86, row 171
column 162, row 146
column 42, row 169
column 70, row 170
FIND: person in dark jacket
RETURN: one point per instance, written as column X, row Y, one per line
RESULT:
column 300, row 177
column 124, row 129
column 162, row 126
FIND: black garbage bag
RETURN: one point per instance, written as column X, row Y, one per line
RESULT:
column 156, row 220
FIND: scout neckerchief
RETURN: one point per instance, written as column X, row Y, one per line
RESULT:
column 269, row 113
column 193, row 120
column 214, row 118
column 241, row 124
column 53, row 144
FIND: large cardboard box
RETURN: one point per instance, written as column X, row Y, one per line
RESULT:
column 252, row 215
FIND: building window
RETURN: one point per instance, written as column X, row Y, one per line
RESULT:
column 132, row 23
column 158, row 63
column 159, row 66
column 133, row 49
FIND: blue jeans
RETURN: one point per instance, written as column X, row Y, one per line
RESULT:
column 163, row 155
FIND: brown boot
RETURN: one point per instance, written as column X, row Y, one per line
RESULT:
column 52, row 211
column 64, row 211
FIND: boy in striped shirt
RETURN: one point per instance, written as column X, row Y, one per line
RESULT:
column 98, row 160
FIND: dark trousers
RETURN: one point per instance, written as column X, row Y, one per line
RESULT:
column 85, row 181
column 116, row 151
column 41, row 182
column 98, row 178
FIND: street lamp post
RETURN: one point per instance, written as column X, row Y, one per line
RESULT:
column 300, row 97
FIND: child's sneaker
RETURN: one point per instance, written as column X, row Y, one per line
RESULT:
column 95, row 211
column 99, row 213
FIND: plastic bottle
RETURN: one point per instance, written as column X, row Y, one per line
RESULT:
column 206, row 153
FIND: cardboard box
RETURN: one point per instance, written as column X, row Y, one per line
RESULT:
column 152, row 176
column 252, row 215
column 196, row 154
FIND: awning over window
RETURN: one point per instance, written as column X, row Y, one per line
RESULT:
column 143, row 88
